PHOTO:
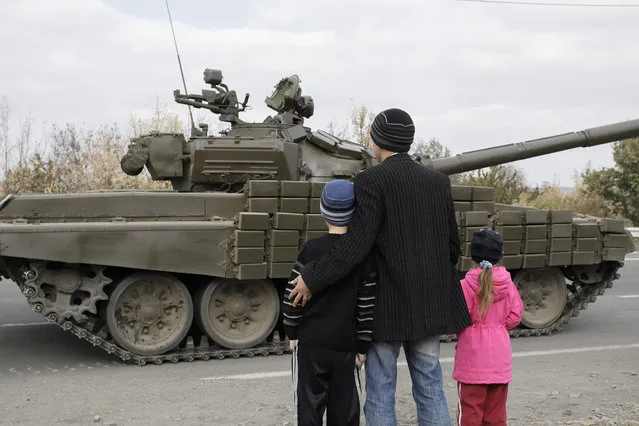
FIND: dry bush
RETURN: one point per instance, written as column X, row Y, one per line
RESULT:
column 35, row 175
column 356, row 128
column 80, row 159
column 509, row 182
column 579, row 199
column 161, row 120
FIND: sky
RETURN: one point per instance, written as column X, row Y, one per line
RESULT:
column 471, row 74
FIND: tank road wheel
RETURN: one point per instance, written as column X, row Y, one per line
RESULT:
column 238, row 314
column 544, row 294
column 149, row 313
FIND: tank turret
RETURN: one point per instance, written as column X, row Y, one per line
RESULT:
column 280, row 147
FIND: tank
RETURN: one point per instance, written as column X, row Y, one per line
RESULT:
column 198, row 271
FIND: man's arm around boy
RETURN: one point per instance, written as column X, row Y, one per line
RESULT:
column 293, row 314
column 365, row 312
column 366, row 293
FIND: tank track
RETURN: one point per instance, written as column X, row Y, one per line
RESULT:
column 582, row 295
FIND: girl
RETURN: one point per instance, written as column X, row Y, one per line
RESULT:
column 483, row 356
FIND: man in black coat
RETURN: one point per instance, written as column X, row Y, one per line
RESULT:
column 405, row 212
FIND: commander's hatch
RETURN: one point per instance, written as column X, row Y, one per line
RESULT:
column 339, row 147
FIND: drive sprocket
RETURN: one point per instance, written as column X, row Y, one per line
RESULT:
column 64, row 292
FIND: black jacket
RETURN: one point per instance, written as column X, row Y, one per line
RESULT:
column 405, row 211
column 339, row 317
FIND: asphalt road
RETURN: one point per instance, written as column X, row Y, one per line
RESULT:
column 585, row 374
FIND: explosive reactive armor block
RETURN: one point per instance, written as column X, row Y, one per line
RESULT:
column 292, row 209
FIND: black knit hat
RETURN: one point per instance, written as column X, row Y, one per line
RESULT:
column 488, row 245
column 393, row 130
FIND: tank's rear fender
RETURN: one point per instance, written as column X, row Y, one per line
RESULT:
column 195, row 247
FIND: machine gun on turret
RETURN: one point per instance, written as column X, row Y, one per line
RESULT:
column 287, row 100
column 220, row 100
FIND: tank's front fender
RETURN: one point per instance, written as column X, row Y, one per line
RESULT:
column 196, row 247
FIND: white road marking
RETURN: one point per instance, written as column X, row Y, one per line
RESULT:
column 628, row 296
column 25, row 324
column 264, row 375
column 446, row 360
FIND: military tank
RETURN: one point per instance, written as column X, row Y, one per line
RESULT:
column 198, row 271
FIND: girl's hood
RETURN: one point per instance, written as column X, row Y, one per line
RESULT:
column 501, row 281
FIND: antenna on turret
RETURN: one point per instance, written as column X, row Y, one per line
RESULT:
column 193, row 129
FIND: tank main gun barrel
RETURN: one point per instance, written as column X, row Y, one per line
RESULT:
column 474, row 160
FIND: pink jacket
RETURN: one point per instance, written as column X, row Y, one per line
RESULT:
column 483, row 353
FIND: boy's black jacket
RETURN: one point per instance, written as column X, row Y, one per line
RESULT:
column 339, row 317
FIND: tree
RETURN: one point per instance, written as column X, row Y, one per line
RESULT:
column 361, row 120
column 81, row 159
column 433, row 148
column 509, row 181
column 14, row 151
column 618, row 185
column 5, row 113
column 340, row 131
column 357, row 127
column 161, row 120
column 552, row 197
column 35, row 175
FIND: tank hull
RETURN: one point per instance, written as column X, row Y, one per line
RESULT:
column 82, row 259
column 140, row 230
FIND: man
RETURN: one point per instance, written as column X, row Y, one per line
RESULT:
column 405, row 212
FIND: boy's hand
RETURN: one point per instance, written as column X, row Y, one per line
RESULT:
column 292, row 344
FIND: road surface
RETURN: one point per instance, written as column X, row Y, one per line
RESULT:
column 585, row 374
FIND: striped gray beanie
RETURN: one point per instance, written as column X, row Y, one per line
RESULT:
column 337, row 202
column 393, row 130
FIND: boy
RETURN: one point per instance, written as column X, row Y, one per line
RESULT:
column 335, row 328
